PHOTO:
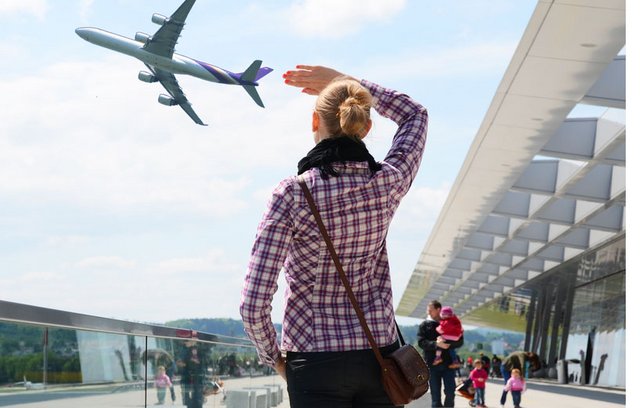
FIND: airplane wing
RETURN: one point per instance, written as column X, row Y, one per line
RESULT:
column 164, row 40
column 170, row 83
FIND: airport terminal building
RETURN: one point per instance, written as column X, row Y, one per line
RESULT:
column 532, row 236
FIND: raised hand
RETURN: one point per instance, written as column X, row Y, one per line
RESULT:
column 311, row 78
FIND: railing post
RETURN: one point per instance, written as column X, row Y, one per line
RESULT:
column 45, row 344
column 146, row 350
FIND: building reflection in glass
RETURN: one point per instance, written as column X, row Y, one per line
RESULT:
column 574, row 312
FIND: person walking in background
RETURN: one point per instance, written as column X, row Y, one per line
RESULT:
column 450, row 330
column 193, row 372
column 329, row 361
column 479, row 378
column 517, row 385
column 486, row 363
column 442, row 376
column 162, row 382
column 496, row 362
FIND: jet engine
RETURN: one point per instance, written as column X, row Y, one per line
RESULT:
column 166, row 100
column 142, row 37
column 159, row 19
column 145, row 76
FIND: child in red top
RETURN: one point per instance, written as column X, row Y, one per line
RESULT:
column 450, row 329
column 479, row 377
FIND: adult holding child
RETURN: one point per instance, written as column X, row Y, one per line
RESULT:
column 430, row 341
column 329, row 361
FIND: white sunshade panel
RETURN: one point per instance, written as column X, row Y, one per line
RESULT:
column 594, row 186
column 489, row 269
column 610, row 89
column 500, row 259
column 539, row 177
column 470, row 254
column 534, row 231
column 610, row 219
column 516, row 247
column 514, row 204
column 561, row 211
column 576, row 238
column 495, row 225
column 480, row 241
column 574, row 140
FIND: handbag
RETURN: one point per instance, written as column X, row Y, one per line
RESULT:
column 405, row 375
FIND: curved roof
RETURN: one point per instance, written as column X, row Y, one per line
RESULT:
column 536, row 188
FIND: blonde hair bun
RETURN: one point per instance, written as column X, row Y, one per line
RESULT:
column 345, row 107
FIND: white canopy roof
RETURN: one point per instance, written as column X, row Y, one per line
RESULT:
column 536, row 188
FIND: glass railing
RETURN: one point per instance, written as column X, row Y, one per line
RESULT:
column 51, row 358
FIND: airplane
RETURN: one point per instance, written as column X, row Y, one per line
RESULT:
column 157, row 53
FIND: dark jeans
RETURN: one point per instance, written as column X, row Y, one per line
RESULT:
column 441, row 375
column 192, row 396
column 516, row 398
column 347, row 379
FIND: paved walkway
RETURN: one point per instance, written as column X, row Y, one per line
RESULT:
column 539, row 394
column 545, row 395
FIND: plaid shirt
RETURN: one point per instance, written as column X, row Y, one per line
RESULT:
column 357, row 208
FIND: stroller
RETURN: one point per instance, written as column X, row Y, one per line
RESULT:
column 465, row 390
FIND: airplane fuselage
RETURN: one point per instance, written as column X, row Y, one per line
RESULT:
column 157, row 52
column 178, row 64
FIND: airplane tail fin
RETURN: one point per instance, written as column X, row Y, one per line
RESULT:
column 252, row 75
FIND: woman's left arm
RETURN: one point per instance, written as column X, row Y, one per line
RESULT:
column 269, row 251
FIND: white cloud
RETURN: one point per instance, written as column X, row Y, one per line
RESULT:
column 105, row 142
column 84, row 8
column 66, row 241
column 419, row 210
column 206, row 285
column 337, row 18
column 12, row 51
column 105, row 263
column 209, row 262
column 37, row 8
column 475, row 59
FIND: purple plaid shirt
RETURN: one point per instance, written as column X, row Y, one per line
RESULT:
column 357, row 208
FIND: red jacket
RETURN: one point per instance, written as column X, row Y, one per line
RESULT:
column 479, row 377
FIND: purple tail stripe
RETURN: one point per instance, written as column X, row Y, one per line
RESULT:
column 237, row 76
column 262, row 72
column 220, row 77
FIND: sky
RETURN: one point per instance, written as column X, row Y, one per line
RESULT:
column 114, row 205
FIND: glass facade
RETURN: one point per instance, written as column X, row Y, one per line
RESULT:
column 573, row 313
column 80, row 368
column 597, row 331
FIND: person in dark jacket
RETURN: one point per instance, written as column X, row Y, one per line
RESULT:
column 441, row 374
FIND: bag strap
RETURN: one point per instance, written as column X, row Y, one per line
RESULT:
column 343, row 275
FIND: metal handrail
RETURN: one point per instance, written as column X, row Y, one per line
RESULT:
column 41, row 316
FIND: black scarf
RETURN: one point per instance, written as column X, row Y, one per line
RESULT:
column 336, row 150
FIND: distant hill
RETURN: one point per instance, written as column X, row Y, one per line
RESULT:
column 476, row 339
column 234, row 328
column 225, row 327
